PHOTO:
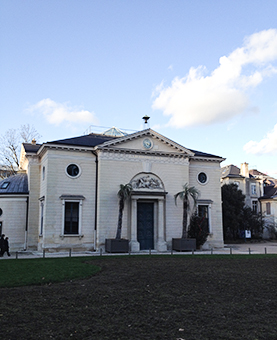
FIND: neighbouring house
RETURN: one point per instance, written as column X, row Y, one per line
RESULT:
column 5, row 171
column 65, row 194
column 269, row 209
column 260, row 191
column 252, row 187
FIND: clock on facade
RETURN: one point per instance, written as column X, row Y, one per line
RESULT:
column 147, row 143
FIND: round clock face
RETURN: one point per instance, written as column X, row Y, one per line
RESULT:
column 147, row 143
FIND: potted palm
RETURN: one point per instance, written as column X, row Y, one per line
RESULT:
column 189, row 197
column 117, row 244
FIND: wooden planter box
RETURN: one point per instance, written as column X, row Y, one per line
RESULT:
column 113, row 245
column 184, row 244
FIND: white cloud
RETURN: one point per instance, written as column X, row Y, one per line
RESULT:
column 57, row 113
column 267, row 145
column 199, row 99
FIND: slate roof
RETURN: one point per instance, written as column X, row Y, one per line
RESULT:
column 203, row 154
column 33, row 148
column 87, row 140
column 92, row 140
column 270, row 191
column 18, row 184
column 230, row 171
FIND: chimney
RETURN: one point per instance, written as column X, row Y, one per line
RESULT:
column 244, row 170
column 34, row 142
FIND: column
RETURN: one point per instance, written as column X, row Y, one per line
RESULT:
column 161, row 244
column 134, row 244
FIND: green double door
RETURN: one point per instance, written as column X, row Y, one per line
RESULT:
column 145, row 225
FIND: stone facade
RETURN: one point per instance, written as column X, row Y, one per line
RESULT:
column 73, row 185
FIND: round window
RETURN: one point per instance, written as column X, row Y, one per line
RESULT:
column 202, row 177
column 73, row 170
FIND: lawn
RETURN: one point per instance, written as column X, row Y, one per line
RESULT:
column 150, row 297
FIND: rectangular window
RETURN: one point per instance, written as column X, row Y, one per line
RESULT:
column 268, row 208
column 203, row 213
column 255, row 207
column 41, row 217
column 71, row 218
column 253, row 189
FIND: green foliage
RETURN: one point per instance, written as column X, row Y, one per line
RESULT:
column 23, row 272
column 236, row 216
column 252, row 222
column 272, row 231
column 198, row 229
column 186, row 195
column 123, row 194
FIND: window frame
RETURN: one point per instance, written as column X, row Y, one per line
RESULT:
column 5, row 185
column 72, row 199
column 255, row 204
column 41, row 216
column 253, row 189
column 208, row 204
column 268, row 208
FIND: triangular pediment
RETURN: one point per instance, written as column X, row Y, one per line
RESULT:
column 148, row 141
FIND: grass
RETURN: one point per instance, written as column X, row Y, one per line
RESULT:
column 25, row 272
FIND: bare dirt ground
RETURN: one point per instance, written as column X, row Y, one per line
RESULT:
column 151, row 297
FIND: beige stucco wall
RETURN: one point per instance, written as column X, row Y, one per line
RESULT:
column 33, row 173
column 58, row 183
column 14, row 209
column 115, row 168
column 210, row 191
column 119, row 168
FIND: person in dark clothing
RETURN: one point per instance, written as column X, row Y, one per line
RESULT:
column 2, row 245
column 6, row 246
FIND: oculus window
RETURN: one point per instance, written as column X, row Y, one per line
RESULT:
column 202, row 178
column 73, row 170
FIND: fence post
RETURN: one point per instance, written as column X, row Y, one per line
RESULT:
column 70, row 252
column 249, row 251
column 212, row 251
column 43, row 253
column 231, row 251
column 265, row 251
column 16, row 254
column 100, row 251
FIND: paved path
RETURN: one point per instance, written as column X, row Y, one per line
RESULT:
column 244, row 248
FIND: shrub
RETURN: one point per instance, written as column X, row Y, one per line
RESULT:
column 198, row 229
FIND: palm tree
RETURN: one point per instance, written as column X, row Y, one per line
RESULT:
column 186, row 195
column 123, row 194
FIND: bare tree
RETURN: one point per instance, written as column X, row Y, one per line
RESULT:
column 10, row 143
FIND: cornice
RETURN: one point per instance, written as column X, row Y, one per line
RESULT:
column 208, row 159
column 42, row 150
column 142, row 156
column 142, row 152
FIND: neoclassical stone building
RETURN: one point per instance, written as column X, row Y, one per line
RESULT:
column 65, row 195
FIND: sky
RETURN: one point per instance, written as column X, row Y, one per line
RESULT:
column 205, row 72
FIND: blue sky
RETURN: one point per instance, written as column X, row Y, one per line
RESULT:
column 204, row 71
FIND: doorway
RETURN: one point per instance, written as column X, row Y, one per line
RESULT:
column 145, row 225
